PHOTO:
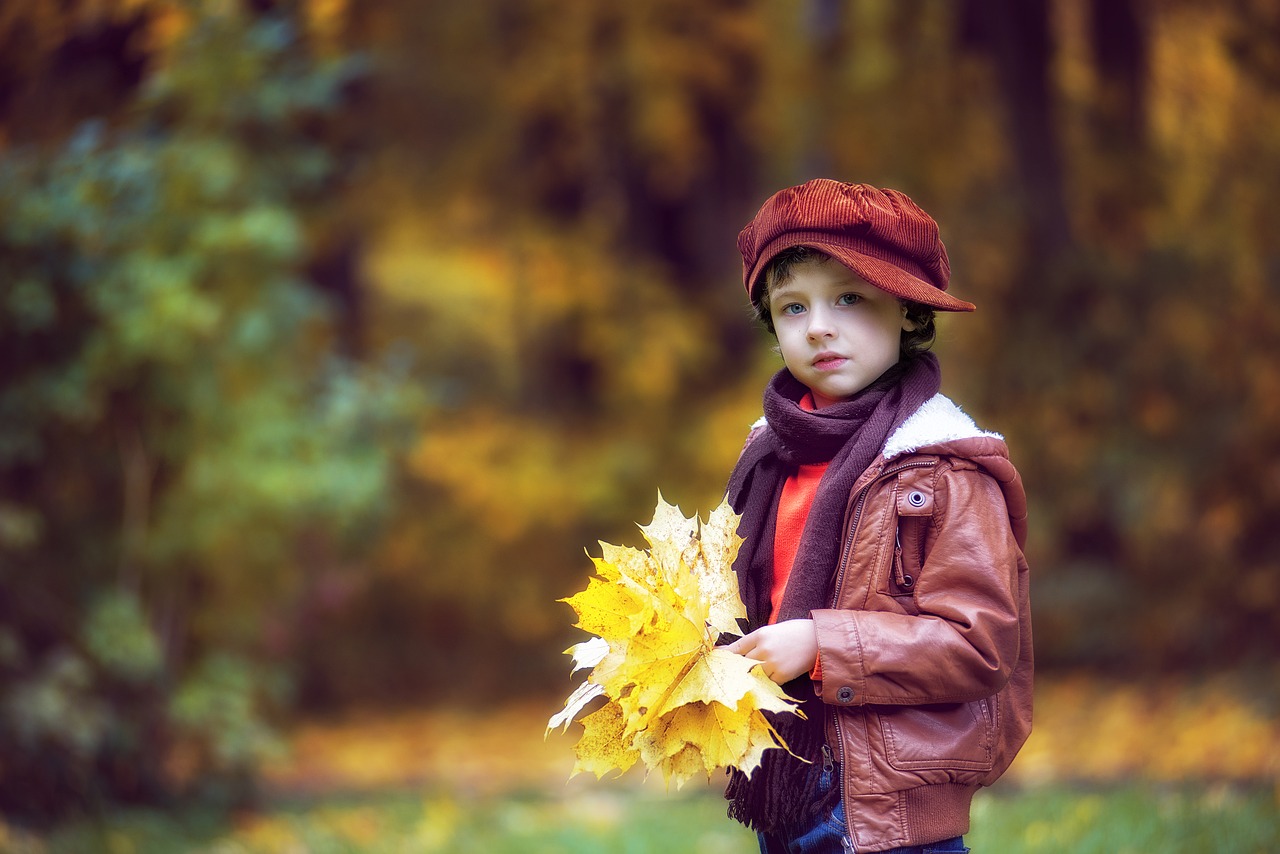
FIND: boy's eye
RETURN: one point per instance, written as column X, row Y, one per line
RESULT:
column 792, row 308
column 849, row 299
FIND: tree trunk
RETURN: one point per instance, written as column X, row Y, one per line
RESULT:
column 1018, row 37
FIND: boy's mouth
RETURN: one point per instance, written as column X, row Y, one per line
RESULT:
column 828, row 361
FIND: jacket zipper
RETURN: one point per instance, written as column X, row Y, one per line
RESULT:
column 852, row 528
column 905, row 582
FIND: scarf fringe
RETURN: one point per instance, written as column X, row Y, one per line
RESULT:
column 785, row 792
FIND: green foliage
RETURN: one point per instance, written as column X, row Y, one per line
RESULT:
column 118, row 636
column 176, row 417
column 55, row 708
column 219, row 703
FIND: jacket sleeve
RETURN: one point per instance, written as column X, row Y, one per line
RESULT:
column 965, row 641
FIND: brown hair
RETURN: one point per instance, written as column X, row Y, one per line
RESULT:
column 782, row 266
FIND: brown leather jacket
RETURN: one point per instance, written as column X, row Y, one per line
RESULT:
column 925, row 654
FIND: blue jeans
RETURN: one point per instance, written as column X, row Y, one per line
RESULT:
column 829, row 834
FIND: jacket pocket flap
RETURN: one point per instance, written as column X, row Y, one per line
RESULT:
column 915, row 495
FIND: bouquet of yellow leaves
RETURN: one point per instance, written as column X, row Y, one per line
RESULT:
column 675, row 700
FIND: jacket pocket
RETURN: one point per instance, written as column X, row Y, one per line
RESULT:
column 944, row 736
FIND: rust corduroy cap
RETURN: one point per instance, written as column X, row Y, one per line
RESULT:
column 881, row 235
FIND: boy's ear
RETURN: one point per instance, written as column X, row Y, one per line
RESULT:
column 908, row 325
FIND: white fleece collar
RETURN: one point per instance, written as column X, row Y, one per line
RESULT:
column 937, row 420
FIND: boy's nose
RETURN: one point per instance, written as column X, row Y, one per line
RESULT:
column 819, row 325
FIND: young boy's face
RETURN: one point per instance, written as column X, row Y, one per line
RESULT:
column 837, row 333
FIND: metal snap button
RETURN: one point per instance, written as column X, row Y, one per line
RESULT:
column 915, row 498
column 845, row 694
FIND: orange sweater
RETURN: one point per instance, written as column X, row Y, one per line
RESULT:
column 793, row 510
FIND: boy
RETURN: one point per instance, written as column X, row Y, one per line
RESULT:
column 883, row 571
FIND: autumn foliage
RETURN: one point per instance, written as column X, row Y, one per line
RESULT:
column 675, row 700
column 330, row 331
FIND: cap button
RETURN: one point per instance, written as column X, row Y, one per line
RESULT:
column 845, row 694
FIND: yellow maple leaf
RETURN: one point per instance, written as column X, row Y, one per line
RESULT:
column 708, row 551
column 714, row 734
column 608, row 609
column 601, row 748
column 675, row 701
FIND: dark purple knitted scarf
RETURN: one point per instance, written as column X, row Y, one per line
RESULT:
column 782, row 793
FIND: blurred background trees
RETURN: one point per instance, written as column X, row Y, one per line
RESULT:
column 186, row 451
column 331, row 333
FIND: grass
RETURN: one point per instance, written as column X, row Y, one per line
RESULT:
column 1128, row 819
column 1106, row 770
column 630, row 819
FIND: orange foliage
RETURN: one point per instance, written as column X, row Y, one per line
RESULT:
column 481, row 753
column 1086, row 730
column 1094, row 730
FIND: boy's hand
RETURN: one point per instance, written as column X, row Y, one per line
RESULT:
column 785, row 650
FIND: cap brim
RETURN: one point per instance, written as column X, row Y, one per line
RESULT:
column 895, row 280
column 884, row 275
